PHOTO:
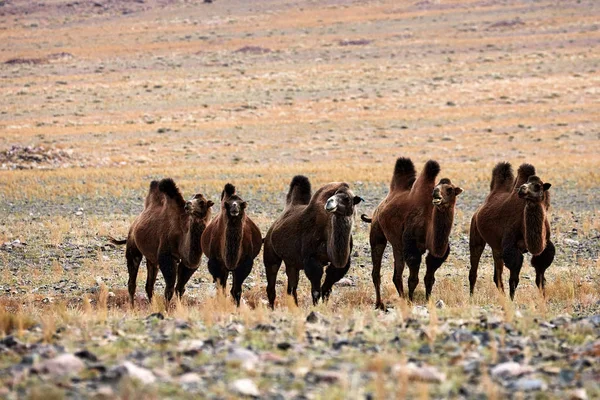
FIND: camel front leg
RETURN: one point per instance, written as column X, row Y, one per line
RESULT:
column 433, row 263
column 314, row 272
column 184, row 273
column 541, row 262
column 239, row 276
column 168, row 267
column 412, row 256
column 513, row 258
column 498, row 268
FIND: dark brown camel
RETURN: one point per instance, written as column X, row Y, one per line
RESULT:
column 513, row 221
column 231, row 242
column 416, row 216
column 310, row 234
column 167, row 233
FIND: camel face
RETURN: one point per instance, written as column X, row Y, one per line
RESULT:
column 342, row 202
column 444, row 193
column 533, row 189
column 198, row 206
column 235, row 206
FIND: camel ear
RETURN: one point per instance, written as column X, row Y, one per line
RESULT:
column 210, row 203
column 457, row 191
column 547, row 186
column 244, row 204
column 358, row 199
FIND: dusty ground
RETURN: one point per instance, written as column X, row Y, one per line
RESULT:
column 100, row 97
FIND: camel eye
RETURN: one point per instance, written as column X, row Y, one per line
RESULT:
column 449, row 191
column 536, row 187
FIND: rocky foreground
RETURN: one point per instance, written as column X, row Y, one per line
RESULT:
column 291, row 355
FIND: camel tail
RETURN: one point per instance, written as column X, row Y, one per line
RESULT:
column 300, row 191
column 523, row 173
column 169, row 188
column 116, row 241
column 366, row 219
column 404, row 174
column 502, row 177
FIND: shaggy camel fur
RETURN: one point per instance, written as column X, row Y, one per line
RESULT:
column 513, row 221
column 416, row 216
column 167, row 233
column 310, row 234
column 231, row 242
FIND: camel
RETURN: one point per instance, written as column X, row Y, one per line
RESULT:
column 513, row 220
column 231, row 241
column 416, row 216
column 167, row 233
column 312, row 232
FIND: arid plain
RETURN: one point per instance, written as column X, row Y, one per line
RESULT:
column 98, row 98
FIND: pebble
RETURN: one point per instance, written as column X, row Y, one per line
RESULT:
column 62, row 365
column 527, row 384
column 245, row 387
column 246, row 358
column 510, row 369
column 423, row 373
column 143, row 375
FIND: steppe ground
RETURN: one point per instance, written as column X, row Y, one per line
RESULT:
column 100, row 97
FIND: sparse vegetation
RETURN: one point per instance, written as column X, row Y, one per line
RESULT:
column 255, row 93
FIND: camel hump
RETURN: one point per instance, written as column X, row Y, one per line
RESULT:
column 431, row 170
column 404, row 174
column 170, row 189
column 502, row 177
column 523, row 173
column 228, row 190
column 300, row 191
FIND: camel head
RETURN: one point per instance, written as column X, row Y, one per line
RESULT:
column 444, row 194
column 534, row 189
column 198, row 206
column 232, row 204
column 342, row 202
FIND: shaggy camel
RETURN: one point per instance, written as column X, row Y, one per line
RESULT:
column 310, row 234
column 167, row 233
column 231, row 242
column 416, row 216
column 513, row 221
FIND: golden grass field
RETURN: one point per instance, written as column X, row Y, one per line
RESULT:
column 254, row 93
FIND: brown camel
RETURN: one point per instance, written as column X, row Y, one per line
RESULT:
column 513, row 221
column 231, row 242
column 416, row 216
column 167, row 233
column 310, row 234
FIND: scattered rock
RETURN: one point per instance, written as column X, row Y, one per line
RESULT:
column 143, row 375
column 345, row 282
column 253, row 50
column 313, row 317
column 527, row 384
column 245, row 387
column 424, row 373
column 510, row 370
column 356, row 42
column 62, row 365
column 440, row 304
column 189, row 378
column 246, row 358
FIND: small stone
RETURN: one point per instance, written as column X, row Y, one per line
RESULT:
column 425, row 373
column 527, row 384
column 156, row 315
column 190, row 347
column 284, row 346
column 79, row 213
column 312, row 318
column 420, row 311
column 190, row 378
column 245, row 387
column 62, row 365
column 510, row 369
column 246, row 358
column 578, row 394
column 324, row 376
column 86, row 355
column 143, row 375
column 440, row 304
column 345, row 282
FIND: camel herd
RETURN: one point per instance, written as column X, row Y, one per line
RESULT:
column 314, row 231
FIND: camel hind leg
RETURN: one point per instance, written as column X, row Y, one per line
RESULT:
column 151, row 279
column 378, row 242
column 476, row 247
column 332, row 275
column 272, row 264
column 134, row 258
column 412, row 256
column 498, row 268
column 398, row 269
column 541, row 262
column 433, row 263
column 239, row 276
column 218, row 272
column 513, row 258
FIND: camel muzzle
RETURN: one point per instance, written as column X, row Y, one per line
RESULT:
column 331, row 205
column 234, row 211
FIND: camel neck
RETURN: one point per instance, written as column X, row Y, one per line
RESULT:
column 338, row 243
column 439, row 230
column 535, row 227
column 192, row 248
column 233, row 241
